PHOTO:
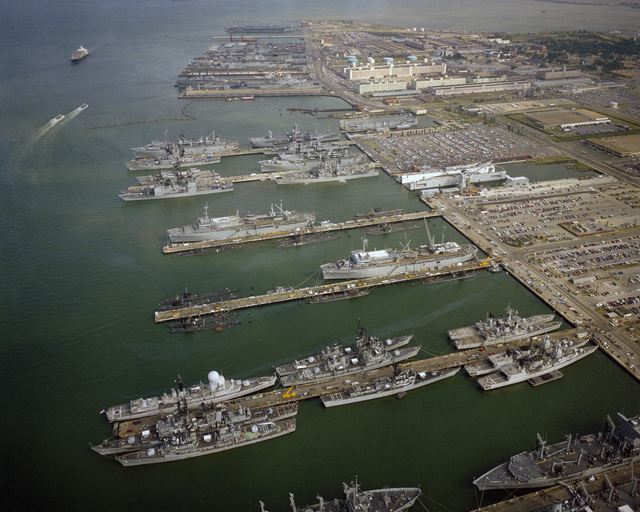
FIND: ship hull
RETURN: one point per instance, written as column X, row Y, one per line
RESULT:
column 343, row 398
column 475, row 342
column 144, row 196
column 239, row 232
column 498, row 380
column 306, row 180
column 332, row 271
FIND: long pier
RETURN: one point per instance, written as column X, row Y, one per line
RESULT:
column 368, row 221
column 280, row 295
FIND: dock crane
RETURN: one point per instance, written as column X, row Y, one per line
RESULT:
column 290, row 393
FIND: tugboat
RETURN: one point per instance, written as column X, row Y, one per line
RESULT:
column 79, row 54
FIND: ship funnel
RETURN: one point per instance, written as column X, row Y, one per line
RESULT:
column 214, row 380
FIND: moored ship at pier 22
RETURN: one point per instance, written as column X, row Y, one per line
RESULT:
column 167, row 185
column 566, row 461
column 389, row 262
column 502, row 329
column 329, row 171
column 211, row 144
column 368, row 353
column 218, row 389
column 234, row 226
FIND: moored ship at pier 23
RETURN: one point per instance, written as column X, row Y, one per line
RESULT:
column 502, row 329
column 576, row 458
column 329, row 171
column 234, row 226
column 170, row 184
column 390, row 262
column 218, row 389
column 306, row 157
column 368, row 353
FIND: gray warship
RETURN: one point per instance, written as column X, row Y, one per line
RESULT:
column 368, row 353
column 544, row 359
column 205, row 419
column 295, row 135
column 327, row 171
column 206, row 228
column 503, row 329
column 211, row 144
column 171, row 184
column 218, row 389
column 161, row 163
column 304, row 157
column 200, row 437
column 389, row 262
column 392, row 499
column 569, row 460
column 396, row 384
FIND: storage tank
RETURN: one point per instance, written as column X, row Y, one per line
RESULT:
column 388, row 60
column 412, row 57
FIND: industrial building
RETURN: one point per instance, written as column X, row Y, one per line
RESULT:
column 621, row 146
column 473, row 88
column 388, row 69
column 557, row 74
column 381, row 86
column 566, row 119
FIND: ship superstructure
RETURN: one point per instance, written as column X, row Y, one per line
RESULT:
column 217, row 389
column 294, row 136
column 170, row 184
column 388, row 262
column 503, row 329
column 368, row 353
column 328, row 171
column 205, row 145
column 569, row 460
column 234, row 226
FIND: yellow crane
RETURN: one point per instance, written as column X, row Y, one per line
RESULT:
column 290, row 393
column 485, row 261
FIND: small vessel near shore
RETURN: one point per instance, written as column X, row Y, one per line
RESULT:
column 79, row 54
column 541, row 360
column 171, row 184
column 218, row 389
column 207, row 228
column 329, row 171
column 389, row 262
column 395, row 384
column 210, row 144
column 392, row 499
column 503, row 329
column 368, row 353
column 570, row 460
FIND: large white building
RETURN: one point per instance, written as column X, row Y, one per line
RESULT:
column 370, row 71
column 451, row 90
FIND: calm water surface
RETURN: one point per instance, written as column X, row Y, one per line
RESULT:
column 82, row 272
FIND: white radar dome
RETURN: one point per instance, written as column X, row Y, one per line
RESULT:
column 213, row 377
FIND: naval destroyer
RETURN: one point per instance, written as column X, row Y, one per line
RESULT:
column 368, row 353
column 161, row 163
column 389, row 262
column 328, row 171
column 541, row 360
column 204, row 419
column 306, row 157
column 210, row 144
column 79, row 54
column 207, row 228
column 203, row 436
column 392, row 499
column 170, row 184
column 573, row 459
column 396, row 384
column 503, row 329
column 218, row 389
column 295, row 135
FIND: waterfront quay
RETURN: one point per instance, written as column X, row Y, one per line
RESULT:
column 574, row 243
column 360, row 222
column 282, row 294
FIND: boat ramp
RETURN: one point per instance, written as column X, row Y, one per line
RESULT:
column 359, row 222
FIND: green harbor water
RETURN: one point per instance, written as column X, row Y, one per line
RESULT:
column 82, row 273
